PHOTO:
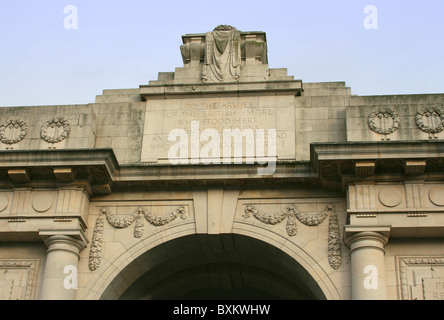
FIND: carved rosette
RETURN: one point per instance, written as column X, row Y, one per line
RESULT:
column 124, row 221
column 430, row 120
column 13, row 131
column 292, row 215
column 384, row 122
column 55, row 130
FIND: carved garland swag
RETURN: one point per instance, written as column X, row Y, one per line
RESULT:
column 121, row 222
column 292, row 214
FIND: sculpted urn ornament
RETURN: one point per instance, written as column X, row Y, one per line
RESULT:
column 222, row 58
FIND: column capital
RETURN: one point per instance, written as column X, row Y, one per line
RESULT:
column 358, row 237
column 70, row 241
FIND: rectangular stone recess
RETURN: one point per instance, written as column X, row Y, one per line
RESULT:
column 433, row 289
column 230, row 113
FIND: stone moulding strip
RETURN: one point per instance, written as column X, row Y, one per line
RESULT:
column 30, row 265
column 417, row 214
column 405, row 262
column 33, row 217
column 293, row 87
column 366, row 215
column 407, row 211
column 21, row 163
column 292, row 214
column 16, row 219
column 119, row 221
column 75, row 157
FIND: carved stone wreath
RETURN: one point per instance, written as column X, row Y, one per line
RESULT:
column 292, row 214
column 431, row 114
column 383, row 114
column 55, row 123
column 121, row 222
column 14, row 124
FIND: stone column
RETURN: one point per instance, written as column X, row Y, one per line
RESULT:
column 62, row 255
column 367, row 262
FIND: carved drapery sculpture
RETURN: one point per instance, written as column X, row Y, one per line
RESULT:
column 222, row 55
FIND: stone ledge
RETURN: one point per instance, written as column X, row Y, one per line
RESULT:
column 210, row 89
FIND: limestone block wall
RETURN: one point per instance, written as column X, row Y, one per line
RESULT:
column 120, row 126
column 305, row 224
column 320, row 115
column 47, row 127
column 21, row 269
column 414, row 269
column 396, row 118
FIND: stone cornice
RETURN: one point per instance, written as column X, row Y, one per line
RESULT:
column 358, row 237
column 98, row 172
column 332, row 166
column 377, row 150
column 341, row 163
column 59, row 158
column 89, row 169
column 165, row 91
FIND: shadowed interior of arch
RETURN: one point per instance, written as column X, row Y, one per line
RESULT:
column 214, row 267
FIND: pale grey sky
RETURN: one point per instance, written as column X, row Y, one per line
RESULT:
column 123, row 44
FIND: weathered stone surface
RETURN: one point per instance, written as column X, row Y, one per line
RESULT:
column 355, row 198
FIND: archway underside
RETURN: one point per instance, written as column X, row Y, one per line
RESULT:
column 217, row 267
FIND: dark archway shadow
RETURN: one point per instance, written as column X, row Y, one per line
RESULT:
column 217, row 267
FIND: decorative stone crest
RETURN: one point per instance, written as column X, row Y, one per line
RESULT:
column 13, row 131
column 121, row 222
column 430, row 120
column 292, row 214
column 384, row 122
column 55, row 130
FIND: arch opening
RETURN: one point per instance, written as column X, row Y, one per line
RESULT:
column 215, row 267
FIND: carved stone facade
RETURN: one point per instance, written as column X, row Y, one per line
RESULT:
column 18, row 279
column 325, row 195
